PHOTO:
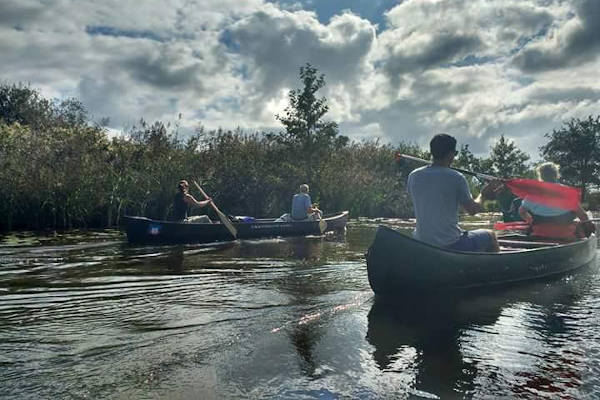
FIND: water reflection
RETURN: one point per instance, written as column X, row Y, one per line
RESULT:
column 519, row 338
column 422, row 339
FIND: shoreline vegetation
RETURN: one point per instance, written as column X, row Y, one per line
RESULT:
column 61, row 170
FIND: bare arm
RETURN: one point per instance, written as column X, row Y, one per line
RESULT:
column 474, row 206
column 488, row 192
column 189, row 199
column 581, row 214
column 525, row 215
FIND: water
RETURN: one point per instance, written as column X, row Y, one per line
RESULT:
column 84, row 315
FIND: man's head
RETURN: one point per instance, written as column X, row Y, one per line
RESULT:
column 304, row 188
column 442, row 146
column 183, row 185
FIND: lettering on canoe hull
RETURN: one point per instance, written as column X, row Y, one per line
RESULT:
column 270, row 226
column 538, row 268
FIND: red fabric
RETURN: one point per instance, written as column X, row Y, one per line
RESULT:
column 511, row 226
column 554, row 231
column 547, row 193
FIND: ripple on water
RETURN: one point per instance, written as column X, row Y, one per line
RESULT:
column 91, row 316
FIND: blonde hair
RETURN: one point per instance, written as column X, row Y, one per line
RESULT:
column 548, row 172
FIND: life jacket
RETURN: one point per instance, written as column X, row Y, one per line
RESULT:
column 558, row 227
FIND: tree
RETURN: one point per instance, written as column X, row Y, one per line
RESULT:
column 466, row 160
column 576, row 149
column 22, row 104
column 507, row 160
column 306, row 134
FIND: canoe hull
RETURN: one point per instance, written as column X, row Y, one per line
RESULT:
column 148, row 231
column 397, row 263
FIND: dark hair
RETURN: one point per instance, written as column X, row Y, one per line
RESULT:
column 182, row 184
column 441, row 145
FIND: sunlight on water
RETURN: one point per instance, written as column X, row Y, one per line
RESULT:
column 83, row 314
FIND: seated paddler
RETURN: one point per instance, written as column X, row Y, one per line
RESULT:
column 439, row 192
column 551, row 221
column 302, row 207
column 182, row 203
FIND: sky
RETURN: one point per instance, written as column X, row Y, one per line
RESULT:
column 395, row 70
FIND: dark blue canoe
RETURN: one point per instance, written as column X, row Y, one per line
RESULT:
column 397, row 263
column 148, row 231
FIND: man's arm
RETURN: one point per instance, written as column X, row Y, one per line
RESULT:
column 474, row 206
column 189, row 199
column 581, row 214
column 525, row 215
column 488, row 192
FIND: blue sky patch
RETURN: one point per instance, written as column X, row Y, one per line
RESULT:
column 116, row 32
column 371, row 10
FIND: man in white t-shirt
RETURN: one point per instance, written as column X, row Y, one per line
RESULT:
column 302, row 207
column 438, row 193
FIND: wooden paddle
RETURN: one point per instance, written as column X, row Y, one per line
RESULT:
column 548, row 193
column 224, row 220
column 464, row 171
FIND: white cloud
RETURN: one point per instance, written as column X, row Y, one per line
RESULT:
column 473, row 68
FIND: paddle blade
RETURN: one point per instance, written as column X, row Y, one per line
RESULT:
column 225, row 221
column 322, row 225
column 546, row 193
column 511, row 226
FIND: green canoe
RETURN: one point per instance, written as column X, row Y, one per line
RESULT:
column 397, row 263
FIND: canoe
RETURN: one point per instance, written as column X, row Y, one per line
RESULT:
column 149, row 231
column 398, row 263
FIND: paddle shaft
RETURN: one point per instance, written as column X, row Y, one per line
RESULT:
column 464, row 171
column 222, row 216
column 212, row 203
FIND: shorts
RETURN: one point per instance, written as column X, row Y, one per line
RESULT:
column 476, row 240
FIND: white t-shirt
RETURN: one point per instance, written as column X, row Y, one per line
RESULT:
column 437, row 193
column 300, row 203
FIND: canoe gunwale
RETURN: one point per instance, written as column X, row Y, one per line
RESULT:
column 328, row 217
column 442, row 249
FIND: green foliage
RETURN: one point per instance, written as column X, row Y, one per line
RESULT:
column 307, row 138
column 576, row 149
column 22, row 104
column 506, row 160
column 60, row 170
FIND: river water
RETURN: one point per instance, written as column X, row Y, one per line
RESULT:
column 84, row 315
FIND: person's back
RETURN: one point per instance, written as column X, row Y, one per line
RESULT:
column 301, row 202
column 437, row 192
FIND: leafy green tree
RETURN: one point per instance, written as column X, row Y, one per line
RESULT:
column 306, row 134
column 466, row 160
column 507, row 160
column 23, row 104
column 576, row 149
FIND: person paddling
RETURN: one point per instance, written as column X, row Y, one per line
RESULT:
column 554, row 222
column 302, row 207
column 438, row 192
column 182, row 202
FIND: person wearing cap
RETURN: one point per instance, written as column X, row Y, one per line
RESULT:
column 438, row 193
column 183, row 201
column 302, row 207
